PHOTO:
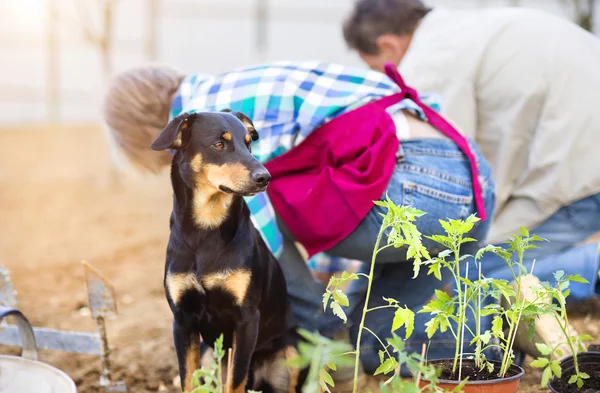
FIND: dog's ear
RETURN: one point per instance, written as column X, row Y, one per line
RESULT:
column 246, row 122
column 176, row 134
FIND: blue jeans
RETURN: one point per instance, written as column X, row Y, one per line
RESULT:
column 564, row 230
column 432, row 175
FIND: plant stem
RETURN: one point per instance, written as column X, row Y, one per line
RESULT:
column 380, row 307
column 365, row 309
column 478, row 321
column 460, row 308
column 568, row 335
column 380, row 342
column 514, row 326
column 315, row 364
column 463, row 322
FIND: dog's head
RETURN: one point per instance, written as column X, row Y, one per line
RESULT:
column 215, row 151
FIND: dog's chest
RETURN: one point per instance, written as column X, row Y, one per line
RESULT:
column 233, row 282
column 221, row 286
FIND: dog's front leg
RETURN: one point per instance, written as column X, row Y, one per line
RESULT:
column 187, row 346
column 244, row 342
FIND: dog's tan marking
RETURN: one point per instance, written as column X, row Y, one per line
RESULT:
column 234, row 176
column 291, row 353
column 178, row 283
column 227, row 136
column 211, row 205
column 247, row 138
column 235, row 282
column 196, row 163
column 192, row 362
column 277, row 373
column 249, row 126
column 242, row 387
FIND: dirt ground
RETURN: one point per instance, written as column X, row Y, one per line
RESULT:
column 60, row 205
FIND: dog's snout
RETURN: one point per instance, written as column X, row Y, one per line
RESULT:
column 262, row 178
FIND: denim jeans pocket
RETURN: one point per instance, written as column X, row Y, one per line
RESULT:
column 434, row 202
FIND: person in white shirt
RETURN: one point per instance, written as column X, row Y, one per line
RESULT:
column 524, row 85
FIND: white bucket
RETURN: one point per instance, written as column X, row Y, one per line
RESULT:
column 25, row 374
column 20, row 375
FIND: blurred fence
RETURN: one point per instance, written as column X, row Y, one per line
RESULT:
column 55, row 53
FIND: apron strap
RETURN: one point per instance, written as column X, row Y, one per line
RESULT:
column 436, row 120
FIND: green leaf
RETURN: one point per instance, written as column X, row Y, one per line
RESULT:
column 543, row 348
column 576, row 278
column 432, row 326
column 386, row 367
column 331, row 365
column 389, row 300
column 381, row 203
column 524, row 232
column 485, row 337
column 583, row 375
column 338, row 311
column 585, row 337
column 436, row 269
column 546, row 376
column 540, row 363
column 497, row 327
column 349, row 276
column 442, row 296
column 559, row 274
column 490, row 309
column 326, row 297
column 341, row 298
column 573, row 379
column 404, row 317
column 556, row 369
column 325, row 379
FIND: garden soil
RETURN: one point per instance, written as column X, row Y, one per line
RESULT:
column 61, row 203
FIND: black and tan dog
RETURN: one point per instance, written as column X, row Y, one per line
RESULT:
column 220, row 277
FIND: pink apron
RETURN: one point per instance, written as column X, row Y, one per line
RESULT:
column 324, row 187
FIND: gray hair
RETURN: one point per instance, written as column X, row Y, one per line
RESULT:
column 371, row 19
column 136, row 109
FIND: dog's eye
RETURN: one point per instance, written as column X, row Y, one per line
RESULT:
column 219, row 145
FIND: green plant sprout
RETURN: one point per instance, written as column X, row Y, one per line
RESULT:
column 210, row 379
column 470, row 296
column 556, row 306
column 399, row 223
column 320, row 355
column 419, row 370
column 518, row 308
column 444, row 308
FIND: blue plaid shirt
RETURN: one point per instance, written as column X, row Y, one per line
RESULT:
column 286, row 102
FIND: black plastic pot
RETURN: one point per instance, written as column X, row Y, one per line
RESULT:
column 588, row 361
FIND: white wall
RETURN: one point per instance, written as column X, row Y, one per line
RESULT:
column 192, row 35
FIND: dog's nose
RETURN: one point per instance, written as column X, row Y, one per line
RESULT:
column 261, row 178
